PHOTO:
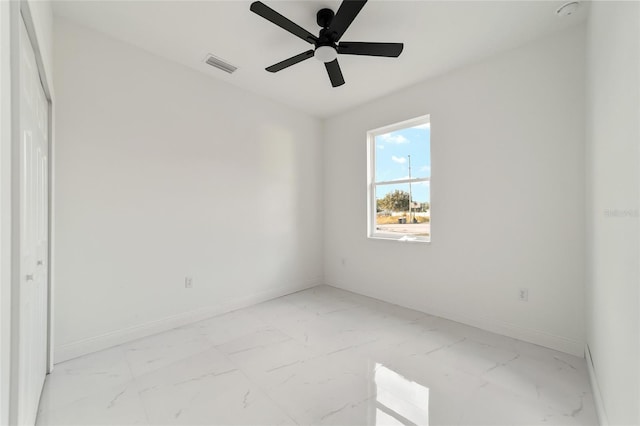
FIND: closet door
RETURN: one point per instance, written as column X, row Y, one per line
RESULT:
column 34, row 212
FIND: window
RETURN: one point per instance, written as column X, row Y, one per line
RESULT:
column 400, row 181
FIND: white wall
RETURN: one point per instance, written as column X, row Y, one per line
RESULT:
column 507, row 139
column 163, row 172
column 613, row 231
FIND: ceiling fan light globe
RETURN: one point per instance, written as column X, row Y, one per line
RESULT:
column 325, row 54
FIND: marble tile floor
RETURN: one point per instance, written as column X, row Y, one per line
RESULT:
column 322, row 356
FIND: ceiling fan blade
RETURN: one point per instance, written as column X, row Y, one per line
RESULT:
column 291, row 61
column 391, row 50
column 335, row 75
column 269, row 14
column 345, row 15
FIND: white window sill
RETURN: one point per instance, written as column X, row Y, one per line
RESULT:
column 400, row 238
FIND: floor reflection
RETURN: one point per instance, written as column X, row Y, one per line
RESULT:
column 399, row 401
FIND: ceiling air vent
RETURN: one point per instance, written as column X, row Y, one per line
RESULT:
column 220, row 64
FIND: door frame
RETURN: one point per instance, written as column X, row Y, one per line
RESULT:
column 12, row 14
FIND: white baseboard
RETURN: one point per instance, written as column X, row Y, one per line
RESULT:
column 118, row 337
column 595, row 388
column 537, row 337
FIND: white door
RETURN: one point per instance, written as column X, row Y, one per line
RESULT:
column 34, row 206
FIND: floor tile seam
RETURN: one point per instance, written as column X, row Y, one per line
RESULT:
column 133, row 379
column 303, row 343
column 94, row 390
column 124, row 386
column 265, row 327
column 266, row 393
column 177, row 361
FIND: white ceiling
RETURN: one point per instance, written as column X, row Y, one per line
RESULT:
column 438, row 36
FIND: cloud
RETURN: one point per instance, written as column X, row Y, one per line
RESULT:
column 399, row 160
column 397, row 139
column 380, row 146
column 425, row 168
column 423, row 126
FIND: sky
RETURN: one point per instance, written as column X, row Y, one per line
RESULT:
column 392, row 161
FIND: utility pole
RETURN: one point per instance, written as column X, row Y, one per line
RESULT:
column 410, row 195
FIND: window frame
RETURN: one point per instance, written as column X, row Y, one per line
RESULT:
column 372, row 184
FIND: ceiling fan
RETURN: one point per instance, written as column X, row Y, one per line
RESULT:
column 327, row 44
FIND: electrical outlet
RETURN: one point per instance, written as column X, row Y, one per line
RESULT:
column 188, row 282
column 523, row 295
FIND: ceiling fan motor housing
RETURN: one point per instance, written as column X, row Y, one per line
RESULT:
column 324, row 17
